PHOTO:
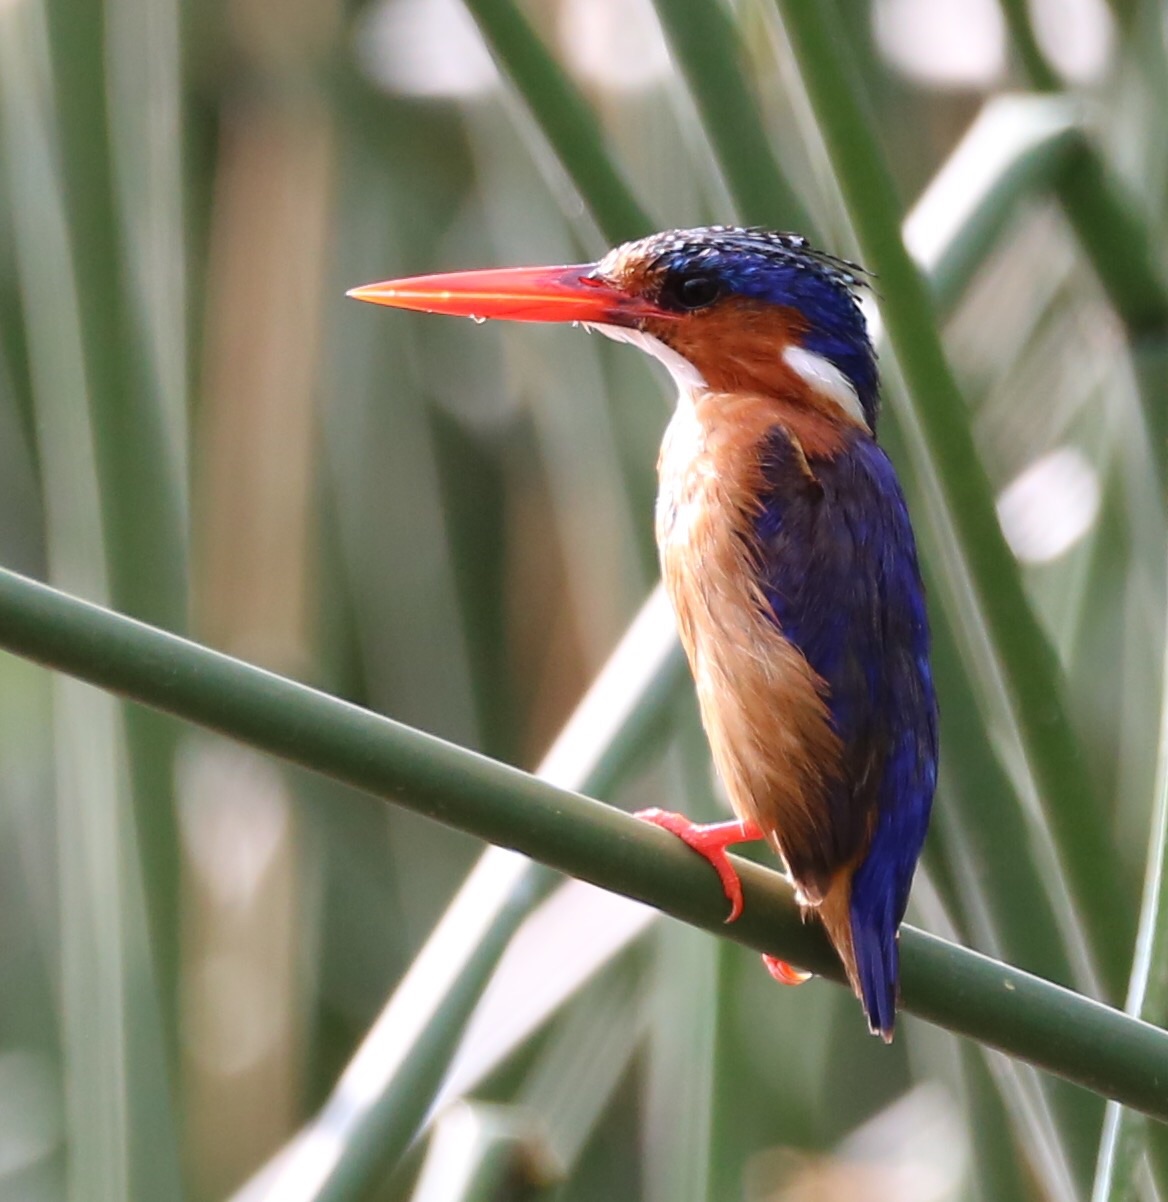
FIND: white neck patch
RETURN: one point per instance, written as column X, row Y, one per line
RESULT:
column 820, row 373
column 687, row 377
column 827, row 380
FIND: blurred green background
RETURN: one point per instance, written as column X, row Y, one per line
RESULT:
column 452, row 525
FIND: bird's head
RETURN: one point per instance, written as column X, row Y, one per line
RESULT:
column 725, row 308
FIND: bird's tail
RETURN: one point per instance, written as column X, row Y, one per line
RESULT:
column 869, row 951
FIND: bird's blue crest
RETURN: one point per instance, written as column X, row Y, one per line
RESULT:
column 782, row 269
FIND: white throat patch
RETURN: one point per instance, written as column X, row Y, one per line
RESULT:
column 687, row 377
column 827, row 380
column 820, row 373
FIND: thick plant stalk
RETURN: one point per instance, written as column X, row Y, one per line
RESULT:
column 1043, row 1024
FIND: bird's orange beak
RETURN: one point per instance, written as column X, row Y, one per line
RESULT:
column 515, row 293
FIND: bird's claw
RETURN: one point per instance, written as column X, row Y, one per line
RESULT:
column 709, row 842
column 784, row 973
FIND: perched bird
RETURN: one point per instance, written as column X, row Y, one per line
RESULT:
column 786, row 551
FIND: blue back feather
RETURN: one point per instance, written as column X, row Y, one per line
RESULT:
column 840, row 573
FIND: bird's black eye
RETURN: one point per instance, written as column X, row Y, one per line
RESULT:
column 691, row 291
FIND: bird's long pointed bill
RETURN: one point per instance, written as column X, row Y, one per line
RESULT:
column 513, row 293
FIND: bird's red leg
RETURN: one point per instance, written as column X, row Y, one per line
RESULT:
column 710, row 841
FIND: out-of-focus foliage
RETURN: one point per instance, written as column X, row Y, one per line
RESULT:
column 452, row 525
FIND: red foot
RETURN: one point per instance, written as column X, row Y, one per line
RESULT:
column 711, row 842
column 783, row 972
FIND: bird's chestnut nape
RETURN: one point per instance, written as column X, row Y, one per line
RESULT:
column 790, row 298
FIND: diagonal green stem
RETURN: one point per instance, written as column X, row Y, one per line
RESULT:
column 1117, row 239
column 1124, row 1133
column 565, row 119
column 484, row 1152
column 980, row 831
column 708, row 51
column 1043, row 1024
column 1026, row 49
column 1015, row 147
column 1033, row 673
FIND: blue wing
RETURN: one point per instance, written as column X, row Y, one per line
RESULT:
column 839, row 569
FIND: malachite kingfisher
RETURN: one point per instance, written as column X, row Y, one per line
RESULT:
column 787, row 553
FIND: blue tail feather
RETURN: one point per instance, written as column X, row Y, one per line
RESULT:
column 877, row 965
column 883, row 878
